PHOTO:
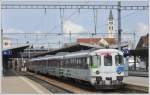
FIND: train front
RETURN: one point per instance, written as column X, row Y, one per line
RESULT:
column 107, row 68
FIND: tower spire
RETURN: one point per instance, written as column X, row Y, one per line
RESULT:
column 110, row 25
column 110, row 15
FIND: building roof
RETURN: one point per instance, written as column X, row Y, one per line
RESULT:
column 6, row 38
column 15, row 52
column 139, row 52
column 110, row 41
column 143, row 42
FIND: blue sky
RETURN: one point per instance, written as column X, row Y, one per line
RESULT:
column 37, row 21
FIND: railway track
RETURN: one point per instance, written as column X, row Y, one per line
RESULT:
column 51, row 87
column 65, row 86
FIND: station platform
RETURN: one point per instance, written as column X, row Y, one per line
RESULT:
column 139, row 73
column 12, row 83
column 137, row 83
column 140, row 81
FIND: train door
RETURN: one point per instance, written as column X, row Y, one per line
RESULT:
column 108, row 64
column 120, row 64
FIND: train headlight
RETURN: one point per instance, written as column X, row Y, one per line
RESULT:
column 119, row 72
column 97, row 72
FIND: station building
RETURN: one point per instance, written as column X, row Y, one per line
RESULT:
column 7, row 43
column 140, row 54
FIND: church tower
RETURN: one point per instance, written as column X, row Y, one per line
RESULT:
column 110, row 26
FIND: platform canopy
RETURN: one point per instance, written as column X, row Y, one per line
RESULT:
column 71, row 48
column 139, row 52
column 75, row 47
column 14, row 52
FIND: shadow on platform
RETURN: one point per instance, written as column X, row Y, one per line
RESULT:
column 9, row 73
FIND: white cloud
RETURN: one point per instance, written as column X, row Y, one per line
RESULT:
column 142, row 28
column 69, row 26
column 11, row 33
column 12, row 30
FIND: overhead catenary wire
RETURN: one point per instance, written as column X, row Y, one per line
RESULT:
column 95, row 24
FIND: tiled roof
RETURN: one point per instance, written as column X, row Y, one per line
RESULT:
column 111, row 41
column 143, row 42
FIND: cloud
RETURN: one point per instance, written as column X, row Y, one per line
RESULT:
column 72, row 27
column 12, row 30
column 142, row 28
column 11, row 33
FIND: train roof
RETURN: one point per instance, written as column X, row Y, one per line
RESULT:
column 47, row 58
column 78, row 54
column 89, row 52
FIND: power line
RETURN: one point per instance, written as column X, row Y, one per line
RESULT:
column 47, row 33
column 78, row 6
column 71, row 6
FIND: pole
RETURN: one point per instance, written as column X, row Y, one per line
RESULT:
column 1, row 41
column 95, row 20
column 70, row 36
column 62, row 19
column 119, row 25
column 59, row 43
column 134, row 41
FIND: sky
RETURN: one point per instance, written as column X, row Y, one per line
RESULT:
column 25, row 21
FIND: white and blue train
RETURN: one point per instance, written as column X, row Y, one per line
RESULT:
column 102, row 68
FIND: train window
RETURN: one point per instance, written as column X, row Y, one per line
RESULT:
column 79, row 62
column 82, row 63
column 119, row 59
column 70, row 63
column 95, row 61
column 85, row 66
column 107, row 60
column 76, row 62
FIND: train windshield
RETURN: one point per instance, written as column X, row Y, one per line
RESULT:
column 95, row 61
column 119, row 59
column 108, row 60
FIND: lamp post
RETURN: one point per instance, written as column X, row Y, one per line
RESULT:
column 1, row 39
column 119, row 25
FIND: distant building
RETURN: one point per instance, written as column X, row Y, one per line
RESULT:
column 7, row 43
column 98, row 41
column 140, row 54
column 143, row 42
column 110, row 26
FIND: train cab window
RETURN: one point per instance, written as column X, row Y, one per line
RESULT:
column 118, row 59
column 108, row 60
column 95, row 61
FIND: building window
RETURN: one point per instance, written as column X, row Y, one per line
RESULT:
column 6, row 43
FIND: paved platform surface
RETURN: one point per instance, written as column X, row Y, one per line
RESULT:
column 138, row 73
column 139, row 81
column 15, row 84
